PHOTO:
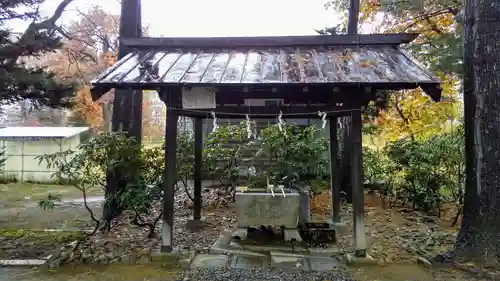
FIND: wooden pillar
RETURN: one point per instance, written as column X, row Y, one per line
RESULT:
column 352, row 20
column 357, row 184
column 127, row 104
column 198, row 148
column 170, row 174
column 137, row 96
column 334, row 170
column 345, row 159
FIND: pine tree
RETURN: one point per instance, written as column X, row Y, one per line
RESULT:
column 18, row 79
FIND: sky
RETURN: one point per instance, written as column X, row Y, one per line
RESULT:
column 198, row 18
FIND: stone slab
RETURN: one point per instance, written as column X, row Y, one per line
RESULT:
column 299, row 249
column 252, row 253
column 360, row 261
column 267, row 248
column 245, row 262
column 287, row 254
column 324, row 264
column 284, row 262
column 173, row 256
column 210, row 261
column 324, row 252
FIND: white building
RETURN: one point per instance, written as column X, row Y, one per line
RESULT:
column 23, row 145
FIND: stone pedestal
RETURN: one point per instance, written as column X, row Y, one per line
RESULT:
column 262, row 208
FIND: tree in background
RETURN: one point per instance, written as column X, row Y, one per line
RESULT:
column 90, row 47
column 18, row 79
column 153, row 117
column 411, row 112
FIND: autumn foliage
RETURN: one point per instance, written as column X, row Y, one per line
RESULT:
column 86, row 110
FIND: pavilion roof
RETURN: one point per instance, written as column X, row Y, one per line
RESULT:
column 374, row 60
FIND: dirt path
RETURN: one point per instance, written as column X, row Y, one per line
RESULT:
column 20, row 210
column 150, row 272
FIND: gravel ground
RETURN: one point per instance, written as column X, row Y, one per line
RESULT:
column 216, row 221
column 258, row 274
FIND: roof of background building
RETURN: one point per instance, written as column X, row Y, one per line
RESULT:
column 41, row 132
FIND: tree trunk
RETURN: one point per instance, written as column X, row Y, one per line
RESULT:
column 479, row 236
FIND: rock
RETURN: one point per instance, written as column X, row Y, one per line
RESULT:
column 429, row 219
column 443, row 258
column 109, row 256
column 142, row 251
column 423, row 261
column 86, row 256
column 144, row 259
column 99, row 242
column 125, row 258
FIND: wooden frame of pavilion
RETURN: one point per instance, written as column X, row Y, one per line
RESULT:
column 337, row 75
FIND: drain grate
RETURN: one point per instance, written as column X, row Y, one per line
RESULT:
column 317, row 233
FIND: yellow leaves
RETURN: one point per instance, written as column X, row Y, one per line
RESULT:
column 368, row 10
column 414, row 113
column 108, row 59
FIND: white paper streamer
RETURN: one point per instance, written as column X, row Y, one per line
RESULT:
column 323, row 118
column 214, row 122
column 249, row 128
column 280, row 121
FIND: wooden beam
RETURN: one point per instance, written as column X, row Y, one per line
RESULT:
column 170, row 176
column 334, row 170
column 268, row 41
column 265, row 112
column 198, row 148
column 357, row 184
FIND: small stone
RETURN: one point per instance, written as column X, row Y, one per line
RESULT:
column 423, row 261
column 125, row 258
column 144, row 259
column 109, row 256
column 99, row 242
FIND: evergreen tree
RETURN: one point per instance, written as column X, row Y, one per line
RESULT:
column 20, row 80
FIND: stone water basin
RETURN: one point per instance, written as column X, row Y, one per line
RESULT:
column 259, row 207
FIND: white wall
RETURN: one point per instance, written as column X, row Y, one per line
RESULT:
column 21, row 164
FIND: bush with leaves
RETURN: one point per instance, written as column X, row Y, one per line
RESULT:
column 86, row 166
column 185, row 160
column 299, row 154
column 432, row 168
column 224, row 153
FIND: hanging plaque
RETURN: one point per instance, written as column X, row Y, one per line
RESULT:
column 198, row 97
